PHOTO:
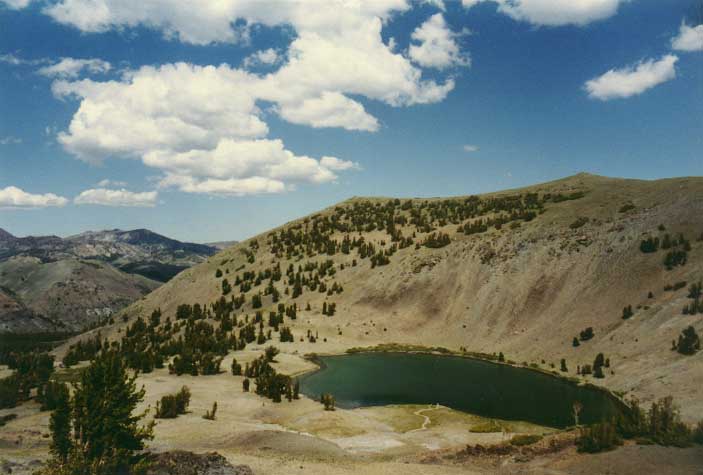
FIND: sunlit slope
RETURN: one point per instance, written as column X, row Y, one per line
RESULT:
column 566, row 257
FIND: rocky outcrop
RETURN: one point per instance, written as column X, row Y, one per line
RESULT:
column 188, row 463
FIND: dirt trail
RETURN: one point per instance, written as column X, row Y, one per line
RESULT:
column 426, row 420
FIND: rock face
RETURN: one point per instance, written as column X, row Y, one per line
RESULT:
column 48, row 283
column 188, row 463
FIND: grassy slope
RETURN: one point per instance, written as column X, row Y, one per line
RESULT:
column 545, row 283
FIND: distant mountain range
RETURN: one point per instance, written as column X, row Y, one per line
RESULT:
column 53, row 283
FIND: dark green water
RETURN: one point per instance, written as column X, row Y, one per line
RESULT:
column 473, row 386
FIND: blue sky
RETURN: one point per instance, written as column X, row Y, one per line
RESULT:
column 212, row 121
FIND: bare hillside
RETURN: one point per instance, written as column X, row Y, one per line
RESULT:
column 64, row 295
column 521, row 272
column 70, row 284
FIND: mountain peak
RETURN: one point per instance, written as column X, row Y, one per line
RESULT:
column 6, row 236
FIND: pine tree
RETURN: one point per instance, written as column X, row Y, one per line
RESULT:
column 106, row 436
column 236, row 368
column 210, row 415
column 598, row 364
column 60, row 424
column 627, row 312
column 689, row 341
column 271, row 353
column 104, row 401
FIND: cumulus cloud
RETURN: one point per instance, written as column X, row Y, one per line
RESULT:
column 226, row 187
column 202, row 126
column 174, row 107
column 72, row 67
column 470, row 148
column 261, row 166
column 436, row 45
column 555, row 12
column 205, row 21
column 330, row 109
column 196, row 21
column 122, row 197
column 632, row 80
column 335, row 164
column 690, row 38
column 13, row 197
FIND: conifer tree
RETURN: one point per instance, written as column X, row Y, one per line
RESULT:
column 689, row 341
column 296, row 390
column 60, row 424
column 106, row 435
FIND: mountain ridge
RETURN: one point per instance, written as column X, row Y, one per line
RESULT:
column 71, row 283
column 525, row 287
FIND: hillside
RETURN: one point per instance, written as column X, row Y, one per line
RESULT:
column 49, row 283
column 521, row 272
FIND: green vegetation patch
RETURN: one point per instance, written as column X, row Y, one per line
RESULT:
column 525, row 439
column 486, row 427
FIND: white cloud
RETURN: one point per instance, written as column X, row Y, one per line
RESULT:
column 261, row 165
column 16, row 4
column 226, row 187
column 11, row 59
column 13, row 197
column 470, row 148
column 436, row 3
column 555, row 12
column 330, row 109
column 632, row 80
column 266, row 57
column 690, row 38
column 105, row 197
column 72, row 67
column 107, row 183
column 204, row 21
column 201, row 125
column 335, row 164
column 10, row 140
column 176, row 107
column 196, row 21
column 15, row 60
column 437, row 46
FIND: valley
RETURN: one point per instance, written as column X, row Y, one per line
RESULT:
column 557, row 278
